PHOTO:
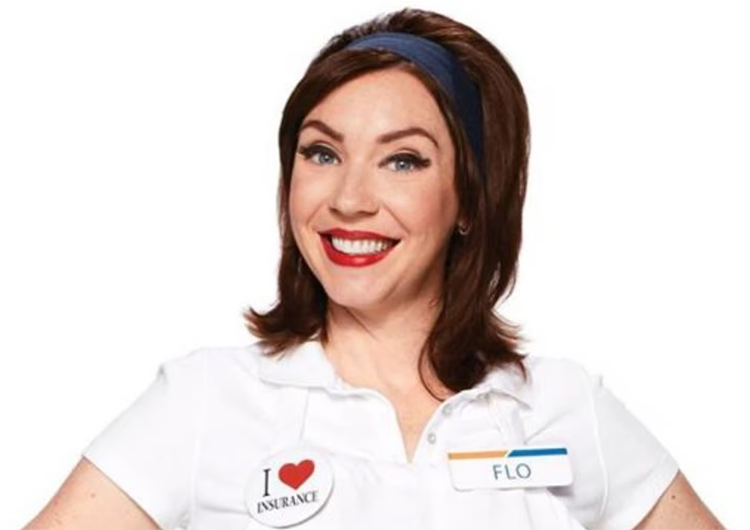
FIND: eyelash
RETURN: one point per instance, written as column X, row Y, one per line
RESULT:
column 417, row 162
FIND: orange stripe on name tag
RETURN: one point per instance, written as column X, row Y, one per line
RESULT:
column 476, row 455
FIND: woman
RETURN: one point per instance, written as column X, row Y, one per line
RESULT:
column 384, row 390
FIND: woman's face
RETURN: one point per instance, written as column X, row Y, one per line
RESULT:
column 372, row 199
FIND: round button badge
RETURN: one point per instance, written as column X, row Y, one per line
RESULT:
column 289, row 487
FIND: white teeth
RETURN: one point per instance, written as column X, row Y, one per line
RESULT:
column 359, row 246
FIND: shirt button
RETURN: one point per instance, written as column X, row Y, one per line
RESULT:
column 447, row 409
column 431, row 438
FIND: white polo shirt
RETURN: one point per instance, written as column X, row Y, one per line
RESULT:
column 192, row 447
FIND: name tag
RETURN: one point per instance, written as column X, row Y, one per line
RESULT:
column 522, row 467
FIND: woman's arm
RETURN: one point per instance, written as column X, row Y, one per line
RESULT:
column 679, row 508
column 88, row 499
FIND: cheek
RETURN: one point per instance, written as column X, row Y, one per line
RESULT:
column 295, row 202
column 307, row 198
column 432, row 209
column 299, row 210
column 303, row 199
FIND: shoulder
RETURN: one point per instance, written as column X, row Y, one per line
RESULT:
column 563, row 396
column 563, row 414
column 620, row 468
column 214, row 377
column 197, row 401
column 218, row 362
column 557, row 384
column 562, row 407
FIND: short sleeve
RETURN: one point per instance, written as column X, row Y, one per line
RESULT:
column 149, row 451
column 636, row 468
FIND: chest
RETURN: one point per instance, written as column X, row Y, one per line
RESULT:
column 413, row 418
column 375, row 486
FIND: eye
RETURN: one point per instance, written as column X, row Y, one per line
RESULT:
column 406, row 162
column 319, row 154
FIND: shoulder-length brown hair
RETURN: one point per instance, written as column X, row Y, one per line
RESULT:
column 468, row 338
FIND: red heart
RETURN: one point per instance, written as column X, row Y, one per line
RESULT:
column 296, row 475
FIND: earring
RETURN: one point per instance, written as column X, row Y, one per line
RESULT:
column 462, row 230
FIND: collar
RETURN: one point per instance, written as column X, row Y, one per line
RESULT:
column 307, row 366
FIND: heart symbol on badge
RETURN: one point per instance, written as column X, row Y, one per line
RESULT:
column 294, row 475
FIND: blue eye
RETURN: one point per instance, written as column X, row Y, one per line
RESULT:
column 320, row 155
column 406, row 162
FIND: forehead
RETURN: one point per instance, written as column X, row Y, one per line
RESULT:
column 381, row 101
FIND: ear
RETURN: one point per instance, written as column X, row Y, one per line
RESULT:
column 463, row 221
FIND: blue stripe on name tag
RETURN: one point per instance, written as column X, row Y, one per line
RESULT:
column 538, row 452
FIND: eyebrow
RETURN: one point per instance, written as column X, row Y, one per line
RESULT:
column 382, row 139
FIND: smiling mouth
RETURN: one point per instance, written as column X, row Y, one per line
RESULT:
column 360, row 247
column 356, row 252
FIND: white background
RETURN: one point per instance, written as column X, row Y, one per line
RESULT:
column 138, row 169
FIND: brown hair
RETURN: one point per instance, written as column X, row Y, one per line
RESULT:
column 468, row 338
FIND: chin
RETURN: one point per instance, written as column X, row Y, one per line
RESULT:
column 361, row 300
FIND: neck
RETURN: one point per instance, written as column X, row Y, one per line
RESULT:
column 380, row 351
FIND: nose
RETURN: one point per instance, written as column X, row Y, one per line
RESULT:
column 354, row 193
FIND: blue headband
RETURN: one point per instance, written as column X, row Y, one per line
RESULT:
column 444, row 68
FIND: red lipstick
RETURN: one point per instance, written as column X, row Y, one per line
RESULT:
column 354, row 260
column 355, row 234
